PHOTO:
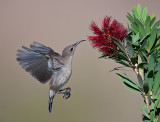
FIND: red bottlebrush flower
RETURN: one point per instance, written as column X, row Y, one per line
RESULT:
column 101, row 39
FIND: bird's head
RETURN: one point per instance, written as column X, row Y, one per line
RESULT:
column 69, row 50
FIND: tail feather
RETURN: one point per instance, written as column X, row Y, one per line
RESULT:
column 50, row 106
column 51, row 96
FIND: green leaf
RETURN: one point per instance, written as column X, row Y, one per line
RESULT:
column 153, row 20
column 142, row 53
column 121, row 55
column 119, row 44
column 117, row 68
column 157, row 67
column 150, row 75
column 123, row 63
column 119, row 61
column 129, row 30
column 145, row 37
column 147, row 25
column 134, row 10
column 134, row 28
column 146, row 88
column 152, row 112
column 129, row 17
column 151, row 52
column 145, row 112
column 130, row 49
column 142, row 31
column 158, row 118
column 138, row 22
column 141, row 65
column 149, row 79
column 151, row 63
column 140, row 80
column 157, row 101
column 156, row 84
column 158, row 32
column 129, row 82
column 155, row 26
column 144, row 14
column 153, row 16
column 135, row 38
column 139, row 10
column 152, row 39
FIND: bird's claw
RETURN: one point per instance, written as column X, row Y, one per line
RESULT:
column 66, row 92
column 66, row 95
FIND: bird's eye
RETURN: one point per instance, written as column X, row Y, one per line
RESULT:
column 71, row 49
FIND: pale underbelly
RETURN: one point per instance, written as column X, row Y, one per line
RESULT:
column 61, row 78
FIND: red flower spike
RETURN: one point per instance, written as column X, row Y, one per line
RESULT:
column 101, row 39
column 106, row 23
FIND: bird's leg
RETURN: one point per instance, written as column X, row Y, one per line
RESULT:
column 66, row 92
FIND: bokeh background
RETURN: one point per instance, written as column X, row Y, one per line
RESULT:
column 97, row 94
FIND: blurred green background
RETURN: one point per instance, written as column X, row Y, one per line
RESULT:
column 97, row 94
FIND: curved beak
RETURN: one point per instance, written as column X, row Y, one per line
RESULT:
column 78, row 42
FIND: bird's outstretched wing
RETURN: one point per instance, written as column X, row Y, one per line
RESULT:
column 39, row 61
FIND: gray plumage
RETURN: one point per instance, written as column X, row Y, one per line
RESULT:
column 44, row 64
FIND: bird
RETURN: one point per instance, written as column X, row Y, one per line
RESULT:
column 44, row 64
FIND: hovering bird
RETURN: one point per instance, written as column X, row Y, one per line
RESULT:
column 44, row 64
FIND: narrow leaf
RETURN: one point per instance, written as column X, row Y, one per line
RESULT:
column 145, row 112
column 147, row 25
column 146, row 88
column 157, row 67
column 153, row 16
column 130, row 18
column 141, row 65
column 149, row 79
column 151, row 63
column 153, row 20
column 144, row 14
column 123, row 63
column 134, row 10
column 158, row 118
column 134, row 28
column 145, row 37
column 139, row 10
column 152, row 39
column 129, row 82
column 129, row 30
column 135, row 38
column 142, row 31
column 140, row 80
column 119, row 44
column 157, row 101
column 152, row 112
column 158, row 32
column 130, row 49
column 155, row 26
column 138, row 22
column 117, row 68
column 156, row 83
column 120, row 54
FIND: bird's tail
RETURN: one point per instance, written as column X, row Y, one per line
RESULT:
column 51, row 96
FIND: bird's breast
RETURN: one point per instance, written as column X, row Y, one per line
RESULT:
column 62, row 76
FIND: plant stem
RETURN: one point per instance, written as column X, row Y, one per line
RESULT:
column 134, row 67
column 147, row 102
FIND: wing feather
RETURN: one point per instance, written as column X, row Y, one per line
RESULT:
column 35, row 60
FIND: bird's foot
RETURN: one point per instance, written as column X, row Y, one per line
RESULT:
column 66, row 92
